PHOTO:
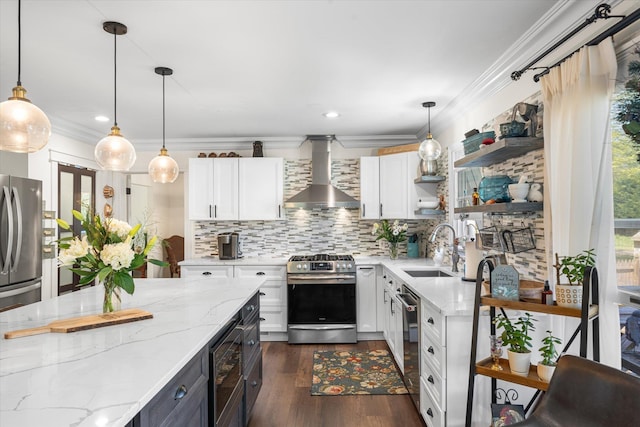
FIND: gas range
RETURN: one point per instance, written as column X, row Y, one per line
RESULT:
column 321, row 264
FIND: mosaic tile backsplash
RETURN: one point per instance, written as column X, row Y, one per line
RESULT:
column 310, row 231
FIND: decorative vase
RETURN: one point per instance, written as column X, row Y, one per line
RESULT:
column 569, row 296
column 519, row 363
column 112, row 301
column 393, row 250
column 545, row 372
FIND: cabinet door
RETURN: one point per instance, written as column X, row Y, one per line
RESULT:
column 261, row 188
column 369, row 187
column 366, row 298
column 200, row 189
column 225, row 189
column 394, row 184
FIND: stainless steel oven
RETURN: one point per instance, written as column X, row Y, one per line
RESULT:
column 321, row 303
column 411, row 341
column 227, row 384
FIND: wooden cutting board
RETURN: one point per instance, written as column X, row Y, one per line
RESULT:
column 82, row 323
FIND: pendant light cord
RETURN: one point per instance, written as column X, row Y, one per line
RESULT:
column 163, row 124
column 429, row 115
column 19, row 41
column 115, row 80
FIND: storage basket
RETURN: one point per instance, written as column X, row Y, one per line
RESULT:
column 518, row 240
column 472, row 144
column 490, row 238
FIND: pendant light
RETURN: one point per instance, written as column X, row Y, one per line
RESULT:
column 114, row 152
column 24, row 128
column 430, row 149
column 163, row 168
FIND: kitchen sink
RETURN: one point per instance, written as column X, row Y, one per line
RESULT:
column 427, row 273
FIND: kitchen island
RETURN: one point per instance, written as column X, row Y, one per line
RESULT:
column 105, row 376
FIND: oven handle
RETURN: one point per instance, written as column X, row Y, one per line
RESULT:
column 320, row 328
column 318, row 277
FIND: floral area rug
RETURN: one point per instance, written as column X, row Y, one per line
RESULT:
column 339, row 373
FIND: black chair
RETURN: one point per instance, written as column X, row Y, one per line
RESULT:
column 585, row 393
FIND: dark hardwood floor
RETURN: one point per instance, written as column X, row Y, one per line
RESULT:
column 285, row 398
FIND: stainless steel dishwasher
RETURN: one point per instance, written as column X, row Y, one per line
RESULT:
column 411, row 340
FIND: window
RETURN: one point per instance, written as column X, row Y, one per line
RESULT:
column 626, row 198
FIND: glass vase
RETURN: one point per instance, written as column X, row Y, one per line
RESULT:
column 393, row 250
column 112, row 301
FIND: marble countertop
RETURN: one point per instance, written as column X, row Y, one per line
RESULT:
column 105, row 376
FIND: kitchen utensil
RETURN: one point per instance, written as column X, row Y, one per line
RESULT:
column 82, row 323
column 512, row 129
column 519, row 192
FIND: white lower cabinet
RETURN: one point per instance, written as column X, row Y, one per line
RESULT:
column 444, row 366
column 366, row 316
column 393, row 317
column 273, row 294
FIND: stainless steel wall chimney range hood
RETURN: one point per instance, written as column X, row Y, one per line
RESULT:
column 321, row 194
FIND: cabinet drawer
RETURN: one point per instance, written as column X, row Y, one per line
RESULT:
column 252, row 385
column 273, row 319
column 269, row 272
column 434, row 383
column 430, row 411
column 210, row 271
column 273, row 293
column 433, row 323
column 193, row 411
column 251, row 307
column 250, row 343
column 434, row 354
column 165, row 402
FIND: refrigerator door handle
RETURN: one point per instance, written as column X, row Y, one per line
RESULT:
column 16, row 258
column 7, row 203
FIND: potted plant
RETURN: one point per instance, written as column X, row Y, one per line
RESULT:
column 393, row 233
column 547, row 365
column 515, row 335
column 572, row 268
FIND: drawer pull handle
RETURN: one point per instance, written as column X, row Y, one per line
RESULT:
column 262, row 319
column 262, row 294
column 430, row 350
column 180, row 393
column 206, row 273
column 254, row 383
column 430, row 412
column 251, row 343
column 430, row 320
column 430, row 379
column 260, row 273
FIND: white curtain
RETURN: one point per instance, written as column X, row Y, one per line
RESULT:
column 578, row 175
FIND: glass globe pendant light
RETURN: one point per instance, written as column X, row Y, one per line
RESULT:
column 430, row 149
column 24, row 128
column 163, row 168
column 114, row 152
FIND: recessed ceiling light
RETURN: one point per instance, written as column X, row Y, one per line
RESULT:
column 331, row 114
column 102, row 118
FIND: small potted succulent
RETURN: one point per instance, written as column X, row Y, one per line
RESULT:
column 572, row 268
column 547, row 365
column 515, row 335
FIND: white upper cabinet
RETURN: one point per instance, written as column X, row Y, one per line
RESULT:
column 394, row 186
column 223, row 189
column 369, row 188
column 261, row 188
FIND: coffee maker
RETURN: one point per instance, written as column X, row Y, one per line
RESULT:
column 229, row 246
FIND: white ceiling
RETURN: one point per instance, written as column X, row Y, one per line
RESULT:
column 265, row 69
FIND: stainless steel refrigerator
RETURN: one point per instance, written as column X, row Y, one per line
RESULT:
column 20, row 241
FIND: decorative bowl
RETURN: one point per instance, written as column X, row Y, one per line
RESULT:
column 428, row 203
column 512, row 129
column 519, row 192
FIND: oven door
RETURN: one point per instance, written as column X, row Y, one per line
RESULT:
column 321, row 313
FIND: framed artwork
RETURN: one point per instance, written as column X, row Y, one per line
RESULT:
column 504, row 414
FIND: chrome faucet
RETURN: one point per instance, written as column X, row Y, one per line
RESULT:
column 455, row 256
